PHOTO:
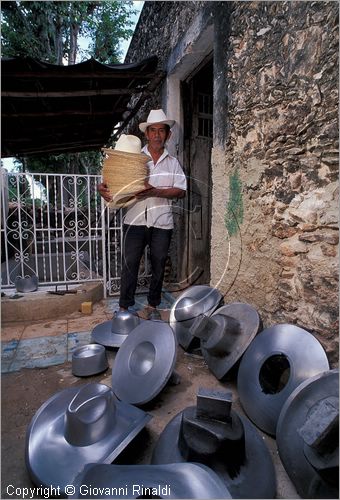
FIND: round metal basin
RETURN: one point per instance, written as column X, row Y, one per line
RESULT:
column 89, row 360
column 26, row 285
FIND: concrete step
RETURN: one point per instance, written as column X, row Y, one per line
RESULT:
column 34, row 306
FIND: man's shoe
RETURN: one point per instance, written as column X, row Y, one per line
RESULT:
column 153, row 314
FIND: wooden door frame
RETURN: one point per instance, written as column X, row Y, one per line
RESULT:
column 187, row 94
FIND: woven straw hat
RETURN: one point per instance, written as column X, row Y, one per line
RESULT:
column 156, row 116
column 124, row 170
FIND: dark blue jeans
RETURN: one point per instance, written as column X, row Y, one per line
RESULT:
column 135, row 239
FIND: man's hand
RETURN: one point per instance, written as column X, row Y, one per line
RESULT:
column 104, row 191
column 146, row 192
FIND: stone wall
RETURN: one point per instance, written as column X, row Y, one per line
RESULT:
column 274, row 241
column 281, row 166
column 160, row 26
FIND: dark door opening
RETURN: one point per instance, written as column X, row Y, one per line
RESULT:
column 197, row 97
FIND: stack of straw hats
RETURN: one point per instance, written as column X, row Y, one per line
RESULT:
column 124, row 170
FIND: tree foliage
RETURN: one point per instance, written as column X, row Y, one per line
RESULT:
column 53, row 31
column 85, row 163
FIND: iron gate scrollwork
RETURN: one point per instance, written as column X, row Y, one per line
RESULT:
column 56, row 226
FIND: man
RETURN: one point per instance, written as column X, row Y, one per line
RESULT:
column 149, row 221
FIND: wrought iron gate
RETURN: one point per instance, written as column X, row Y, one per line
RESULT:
column 56, row 227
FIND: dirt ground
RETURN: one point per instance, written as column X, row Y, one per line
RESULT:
column 24, row 391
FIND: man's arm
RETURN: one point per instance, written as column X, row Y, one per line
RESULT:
column 148, row 192
column 151, row 191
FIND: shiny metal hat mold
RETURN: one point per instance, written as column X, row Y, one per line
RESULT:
column 112, row 333
column 225, row 335
column 144, row 363
column 195, row 300
column 77, row 426
column 149, row 481
column 308, row 436
column 88, row 360
column 275, row 363
column 27, row 284
column 213, row 434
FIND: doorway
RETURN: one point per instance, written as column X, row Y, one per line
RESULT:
column 197, row 99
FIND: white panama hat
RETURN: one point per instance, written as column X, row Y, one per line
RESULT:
column 129, row 144
column 156, row 116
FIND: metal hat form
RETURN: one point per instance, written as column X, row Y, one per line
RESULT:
column 88, row 360
column 195, row 300
column 308, row 436
column 225, row 335
column 275, row 363
column 213, row 434
column 144, row 363
column 112, row 333
column 77, row 426
column 149, row 481
column 27, row 284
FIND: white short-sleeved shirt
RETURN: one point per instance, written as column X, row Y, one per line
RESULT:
column 157, row 212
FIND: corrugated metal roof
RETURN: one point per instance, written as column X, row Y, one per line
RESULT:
column 50, row 109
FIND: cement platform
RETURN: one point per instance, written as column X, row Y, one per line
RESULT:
column 40, row 305
column 36, row 363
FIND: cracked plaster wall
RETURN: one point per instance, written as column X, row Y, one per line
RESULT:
column 283, row 142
